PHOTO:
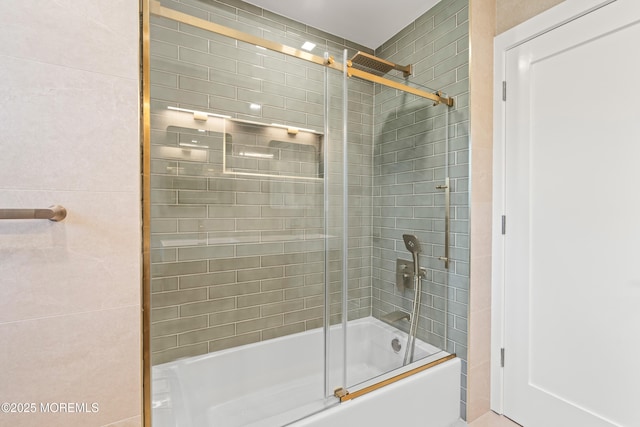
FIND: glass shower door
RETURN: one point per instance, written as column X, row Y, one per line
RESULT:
column 337, row 227
column 246, row 229
column 281, row 192
column 410, row 209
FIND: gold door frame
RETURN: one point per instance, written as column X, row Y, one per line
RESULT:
column 145, row 144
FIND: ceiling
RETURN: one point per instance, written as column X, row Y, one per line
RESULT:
column 366, row 22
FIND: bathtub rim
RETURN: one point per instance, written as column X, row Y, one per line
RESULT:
column 351, row 391
column 363, row 320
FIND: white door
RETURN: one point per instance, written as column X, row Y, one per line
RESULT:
column 572, row 206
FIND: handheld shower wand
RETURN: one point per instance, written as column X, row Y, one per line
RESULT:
column 413, row 245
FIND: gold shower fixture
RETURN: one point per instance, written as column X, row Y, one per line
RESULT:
column 378, row 66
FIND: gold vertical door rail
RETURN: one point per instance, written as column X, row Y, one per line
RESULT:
column 145, row 133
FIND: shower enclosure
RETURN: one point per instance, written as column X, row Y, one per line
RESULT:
column 275, row 207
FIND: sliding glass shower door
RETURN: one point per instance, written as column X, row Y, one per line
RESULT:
column 281, row 191
column 247, row 230
column 405, row 191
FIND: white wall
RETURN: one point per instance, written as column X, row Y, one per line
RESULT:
column 487, row 18
column 70, row 291
column 510, row 13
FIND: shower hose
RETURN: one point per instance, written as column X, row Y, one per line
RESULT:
column 413, row 329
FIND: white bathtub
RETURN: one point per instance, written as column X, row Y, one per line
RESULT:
column 276, row 382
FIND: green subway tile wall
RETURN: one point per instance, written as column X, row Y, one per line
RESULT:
column 239, row 258
column 409, row 162
column 238, row 249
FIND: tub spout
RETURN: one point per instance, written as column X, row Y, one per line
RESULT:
column 395, row 316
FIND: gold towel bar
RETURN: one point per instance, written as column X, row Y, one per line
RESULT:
column 53, row 213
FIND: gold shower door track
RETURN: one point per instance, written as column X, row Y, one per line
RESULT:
column 157, row 9
column 345, row 395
